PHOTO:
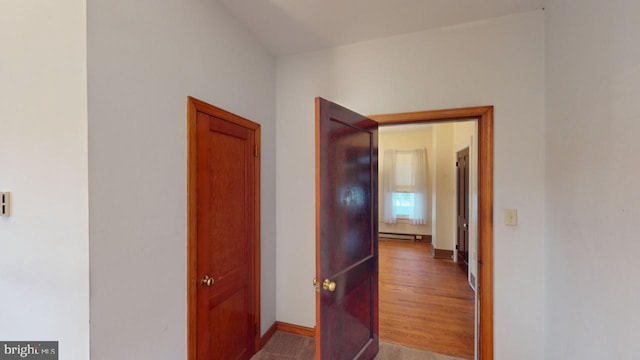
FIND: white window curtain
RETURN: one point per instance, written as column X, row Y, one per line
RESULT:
column 405, row 172
column 419, row 164
column 389, row 185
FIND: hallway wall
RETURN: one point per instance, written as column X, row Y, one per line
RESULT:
column 44, row 245
column 145, row 57
column 593, row 202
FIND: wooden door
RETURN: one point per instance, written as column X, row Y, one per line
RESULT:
column 346, row 234
column 463, row 208
column 224, row 278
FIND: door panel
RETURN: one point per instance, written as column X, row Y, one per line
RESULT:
column 230, row 313
column 346, row 233
column 224, row 276
column 463, row 208
column 227, row 232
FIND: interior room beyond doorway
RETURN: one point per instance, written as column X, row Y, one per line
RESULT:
column 426, row 300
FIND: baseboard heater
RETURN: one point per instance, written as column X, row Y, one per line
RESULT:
column 396, row 236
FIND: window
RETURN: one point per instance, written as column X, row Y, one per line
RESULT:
column 404, row 205
column 404, row 183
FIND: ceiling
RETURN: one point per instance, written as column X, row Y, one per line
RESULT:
column 292, row 26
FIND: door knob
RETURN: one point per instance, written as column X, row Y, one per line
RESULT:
column 329, row 285
column 207, row 281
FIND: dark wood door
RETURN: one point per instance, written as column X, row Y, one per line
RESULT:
column 226, row 249
column 462, row 244
column 346, row 234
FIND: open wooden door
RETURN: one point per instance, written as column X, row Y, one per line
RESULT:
column 346, row 234
column 462, row 195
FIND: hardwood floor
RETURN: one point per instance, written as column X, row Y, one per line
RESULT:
column 425, row 303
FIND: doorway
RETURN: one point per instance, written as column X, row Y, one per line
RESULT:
column 484, row 117
column 426, row 301
column 223, row 240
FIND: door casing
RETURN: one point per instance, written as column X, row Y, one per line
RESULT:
column 484, row 117
column 193, row 107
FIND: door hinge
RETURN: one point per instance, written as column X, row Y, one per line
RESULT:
column 456, row 247
column 255, row 151
column 255, row 328
column 457, row 164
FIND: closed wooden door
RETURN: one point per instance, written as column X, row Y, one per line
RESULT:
column 346, row 234
column 462, row 244
column 225, row 251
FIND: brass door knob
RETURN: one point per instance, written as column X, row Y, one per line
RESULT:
column 207, row 281
column 329, row 285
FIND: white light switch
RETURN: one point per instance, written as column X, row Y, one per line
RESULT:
column 5, row 204
column 511, row 217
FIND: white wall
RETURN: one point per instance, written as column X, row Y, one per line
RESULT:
column 44, row 272
column 405, row 137
column 444, row 214
column 493, row 62
column 145, row 58
column 593, row 202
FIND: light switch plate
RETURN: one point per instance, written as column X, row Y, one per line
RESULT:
column 5, row 204
column 511, row 217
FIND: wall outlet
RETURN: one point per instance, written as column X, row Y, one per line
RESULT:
column 5, row 204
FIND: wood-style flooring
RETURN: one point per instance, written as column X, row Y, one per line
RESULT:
column 425, row 303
